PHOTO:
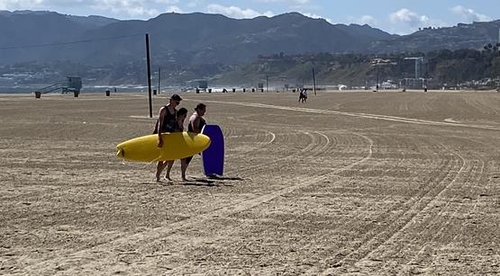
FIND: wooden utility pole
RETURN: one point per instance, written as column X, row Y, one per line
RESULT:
column 149, row 77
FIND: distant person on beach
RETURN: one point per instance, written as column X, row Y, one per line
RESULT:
column 167, row 122
column 303, row 95
column 196, row 123
column 181, row 117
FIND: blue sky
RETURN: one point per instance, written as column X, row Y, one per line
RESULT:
column 393, row 16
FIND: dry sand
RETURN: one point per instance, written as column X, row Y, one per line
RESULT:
column 353, row 183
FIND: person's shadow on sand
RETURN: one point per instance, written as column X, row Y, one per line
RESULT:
column 210, row 181
column 190, row 182
column 216, row 177
column 199, row 182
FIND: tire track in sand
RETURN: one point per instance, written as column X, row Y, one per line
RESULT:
column 417, row 207
column 396, row 223
column 316, row 143
column 86, row 258
column 105, row 254
column 448, row 209
column 362, row 115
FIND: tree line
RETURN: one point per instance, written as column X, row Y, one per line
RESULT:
column 436, row 69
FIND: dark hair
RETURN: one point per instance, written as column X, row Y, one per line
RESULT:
column 176, row 97
column 200, row 106
column 182, row 111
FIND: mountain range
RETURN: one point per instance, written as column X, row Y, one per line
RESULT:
column 210, row 38
column 189, row 40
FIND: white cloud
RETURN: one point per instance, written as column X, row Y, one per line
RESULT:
column 193, row 4
column 133, row 8
column 20, row 4
column 369, row 20
column 408, row 17
column 290, row 2
column 469, row 14
column 312, row 15
column 236, row 12
column 120, row 8
column 315, row 16
column 175, row 9
column 168, row 2
column 366, row 19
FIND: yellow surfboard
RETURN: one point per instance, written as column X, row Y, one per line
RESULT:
column 176, row 145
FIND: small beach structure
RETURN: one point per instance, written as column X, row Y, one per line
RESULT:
column 72, row 84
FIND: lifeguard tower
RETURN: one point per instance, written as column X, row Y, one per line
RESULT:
column 72, row 84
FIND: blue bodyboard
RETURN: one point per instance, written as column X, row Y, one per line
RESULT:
column 213, row 156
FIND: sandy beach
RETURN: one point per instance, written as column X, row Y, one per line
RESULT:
column 350, row 183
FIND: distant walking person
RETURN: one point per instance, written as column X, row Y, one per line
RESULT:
column 303, row 95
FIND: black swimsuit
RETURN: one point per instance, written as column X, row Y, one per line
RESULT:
column 169, row 123
column 202, row 123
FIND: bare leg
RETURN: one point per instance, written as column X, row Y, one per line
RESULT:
column 169, row 165
column 159, row 169
column 184, row 166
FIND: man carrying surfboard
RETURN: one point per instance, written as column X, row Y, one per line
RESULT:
column 167, row 122
column 181, row 116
